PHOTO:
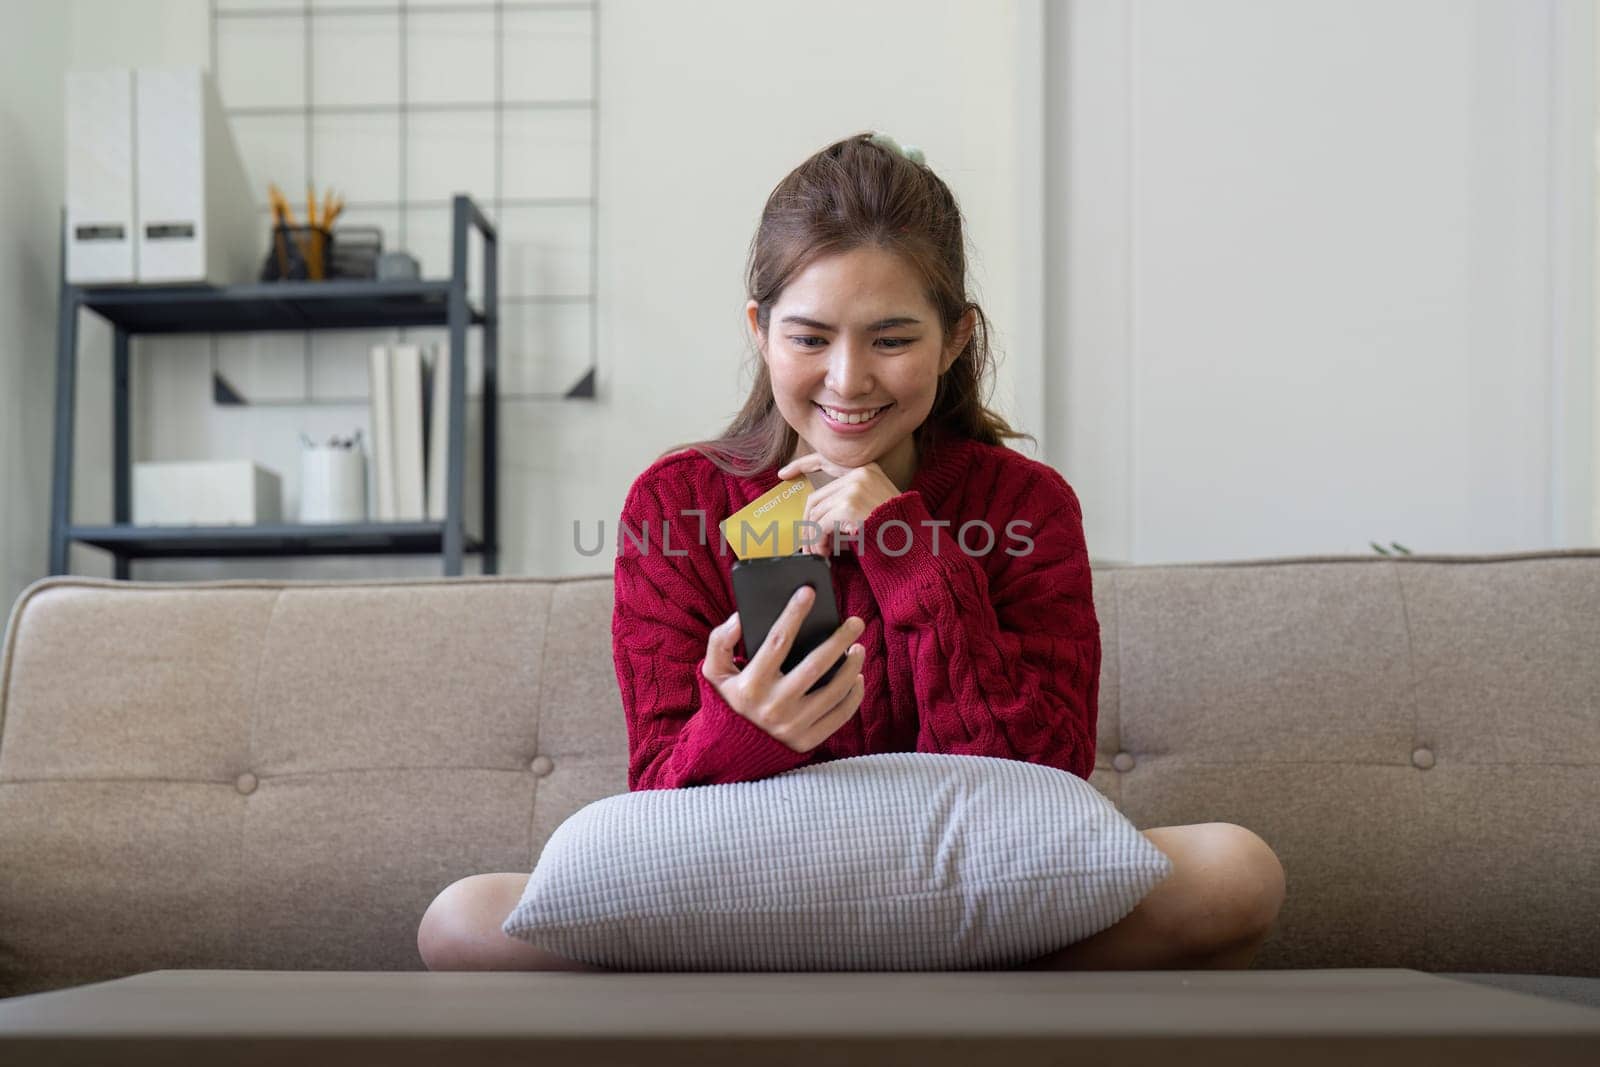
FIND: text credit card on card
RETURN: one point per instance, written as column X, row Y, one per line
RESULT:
column 770, row 524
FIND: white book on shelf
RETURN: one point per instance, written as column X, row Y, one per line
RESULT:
column 382, row 413
column 408, row 457
column 439, row 435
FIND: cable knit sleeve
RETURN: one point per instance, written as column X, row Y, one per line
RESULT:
column 670, row 594
column 1008, row 667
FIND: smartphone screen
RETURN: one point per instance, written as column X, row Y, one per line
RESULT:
column 762, row 588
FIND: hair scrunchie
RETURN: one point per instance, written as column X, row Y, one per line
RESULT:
column 910, row 151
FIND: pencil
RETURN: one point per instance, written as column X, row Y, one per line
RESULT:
column 314, row 237
column 279, row 207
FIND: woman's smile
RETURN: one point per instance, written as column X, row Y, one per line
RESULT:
column 844, row 421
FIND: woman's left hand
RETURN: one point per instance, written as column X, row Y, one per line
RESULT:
column 848, row 498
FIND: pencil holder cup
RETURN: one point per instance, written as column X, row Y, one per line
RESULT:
column 298, row 253
column 333, row 484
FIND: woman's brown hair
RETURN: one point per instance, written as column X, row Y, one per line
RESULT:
column 853, row 194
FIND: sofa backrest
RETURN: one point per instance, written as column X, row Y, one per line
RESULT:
column 283, row 774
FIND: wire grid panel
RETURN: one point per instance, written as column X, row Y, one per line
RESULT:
column 398, row 106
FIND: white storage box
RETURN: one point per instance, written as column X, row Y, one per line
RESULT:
column 99, row 170
column 229, row 492
column 156, row 189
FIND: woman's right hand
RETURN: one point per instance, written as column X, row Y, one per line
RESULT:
column 776, row 702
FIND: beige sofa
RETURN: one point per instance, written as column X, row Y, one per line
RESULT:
column 279, row 776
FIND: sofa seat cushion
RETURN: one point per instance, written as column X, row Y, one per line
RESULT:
column 894, row 861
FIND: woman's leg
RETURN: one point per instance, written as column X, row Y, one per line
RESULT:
column 460, row 931
column 1213, row 911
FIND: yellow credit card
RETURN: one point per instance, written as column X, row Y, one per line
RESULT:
column 770, row 524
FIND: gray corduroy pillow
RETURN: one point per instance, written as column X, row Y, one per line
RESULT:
column 896, row 861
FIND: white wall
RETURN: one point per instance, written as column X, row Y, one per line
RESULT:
column 32, row 52
column 1326, row 274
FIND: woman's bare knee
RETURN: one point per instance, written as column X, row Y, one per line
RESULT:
column 457, row 921
column 461, row 929
column 1212, row 910
column 1226, row 888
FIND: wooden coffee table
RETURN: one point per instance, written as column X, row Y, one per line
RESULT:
column 972, row 1018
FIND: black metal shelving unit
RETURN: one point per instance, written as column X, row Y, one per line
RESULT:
column 319, row 305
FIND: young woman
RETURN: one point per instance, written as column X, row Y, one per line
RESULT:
column 959, row 563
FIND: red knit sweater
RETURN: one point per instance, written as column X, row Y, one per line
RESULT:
column 992, row 653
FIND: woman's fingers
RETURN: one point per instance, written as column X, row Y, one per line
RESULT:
column 818, row 704
column 823, row 533
column 825, row 655
column 719, row 649
column 812, row 461
column 837, row 715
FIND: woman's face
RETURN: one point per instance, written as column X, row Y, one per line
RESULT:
column 853, row 337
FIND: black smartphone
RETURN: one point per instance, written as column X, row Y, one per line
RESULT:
column 762, row 588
